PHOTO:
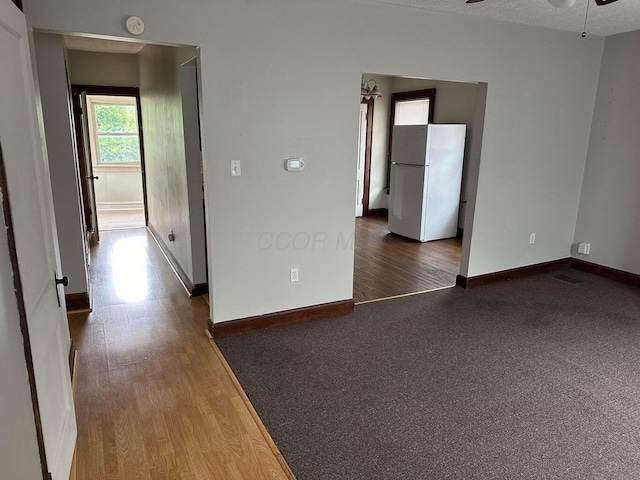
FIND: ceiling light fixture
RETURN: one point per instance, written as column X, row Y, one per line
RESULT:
column 368, row 91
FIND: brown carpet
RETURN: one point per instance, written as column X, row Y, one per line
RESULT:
column 530, row 379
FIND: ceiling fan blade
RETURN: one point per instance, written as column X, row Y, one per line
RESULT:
column 478, row 1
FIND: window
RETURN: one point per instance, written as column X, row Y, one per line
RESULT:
column 412, row 112
column 113, row 123
column 409, row 108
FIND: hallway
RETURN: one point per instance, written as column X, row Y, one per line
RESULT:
column 153, row 397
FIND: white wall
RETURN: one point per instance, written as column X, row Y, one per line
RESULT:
column 19, row 457
column 610, row 201
column 54, row 91
column 165, row 162
column 118, row 189
column 282, row 78
column 97, row 68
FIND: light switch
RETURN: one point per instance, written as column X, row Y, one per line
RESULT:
column 235, row 168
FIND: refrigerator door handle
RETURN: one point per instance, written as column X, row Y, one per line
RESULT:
column 408, row 165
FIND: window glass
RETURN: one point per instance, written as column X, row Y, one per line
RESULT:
column 118, row 148
column 412, row 112
column 115, row 130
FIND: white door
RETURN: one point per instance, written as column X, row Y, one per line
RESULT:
column 362, row 147
column 37, row 249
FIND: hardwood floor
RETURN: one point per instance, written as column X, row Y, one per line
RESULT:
column 387, row 265
column 154, row 398
column 119, row 219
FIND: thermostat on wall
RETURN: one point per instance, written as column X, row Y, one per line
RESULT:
column 294, row 164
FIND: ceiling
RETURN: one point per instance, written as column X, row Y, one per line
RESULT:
column 622, row 16
column 89, row 44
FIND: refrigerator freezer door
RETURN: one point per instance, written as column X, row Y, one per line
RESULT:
column 445, row 152
column 409, row 145
column 406, row 196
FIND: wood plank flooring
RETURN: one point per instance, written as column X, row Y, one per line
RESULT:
column 387, row 265
column 118, row 219
column 154, row 398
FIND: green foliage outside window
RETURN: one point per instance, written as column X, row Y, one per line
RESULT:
column 117, row 127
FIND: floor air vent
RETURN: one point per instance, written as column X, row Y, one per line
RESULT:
column 568, row 279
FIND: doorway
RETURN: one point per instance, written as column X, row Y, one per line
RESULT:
column 134, row 178
column 111, row 157
column 363, row 173
column 390, row 261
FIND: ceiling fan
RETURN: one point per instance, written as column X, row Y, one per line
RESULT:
column 568, row 4
column 561, row 3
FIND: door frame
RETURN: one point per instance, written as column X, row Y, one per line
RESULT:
column 76, row 103
column 22, row 313
column 76, row 91
column 429, row 93
column 367, row 155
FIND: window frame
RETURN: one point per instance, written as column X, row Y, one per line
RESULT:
column 92, row 101
column 429, row 93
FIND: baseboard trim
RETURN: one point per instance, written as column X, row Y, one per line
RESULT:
column 610, row 273
column 106, row 206
column 72, row 360
column 379, row 212
column 77, row 301
column 200, row 289
column 607, row 272
column 512, row 274
column 210, row 327
column 252, row 411
column 193, row 290
column 279, row 319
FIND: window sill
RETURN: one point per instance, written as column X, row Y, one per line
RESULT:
column 116, row 168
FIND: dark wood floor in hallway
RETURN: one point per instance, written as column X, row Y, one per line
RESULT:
column 387, row 265
column 153, row 397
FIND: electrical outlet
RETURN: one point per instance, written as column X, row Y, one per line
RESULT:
column 532, row 238
column 293, row 274
column 584, row 248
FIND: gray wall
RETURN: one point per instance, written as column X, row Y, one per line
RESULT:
column 54, row 92
column 610, row 201
column 96, row 68
column 165, row 162
column 282, row 78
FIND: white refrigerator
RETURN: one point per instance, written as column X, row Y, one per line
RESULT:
column 426, row 177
